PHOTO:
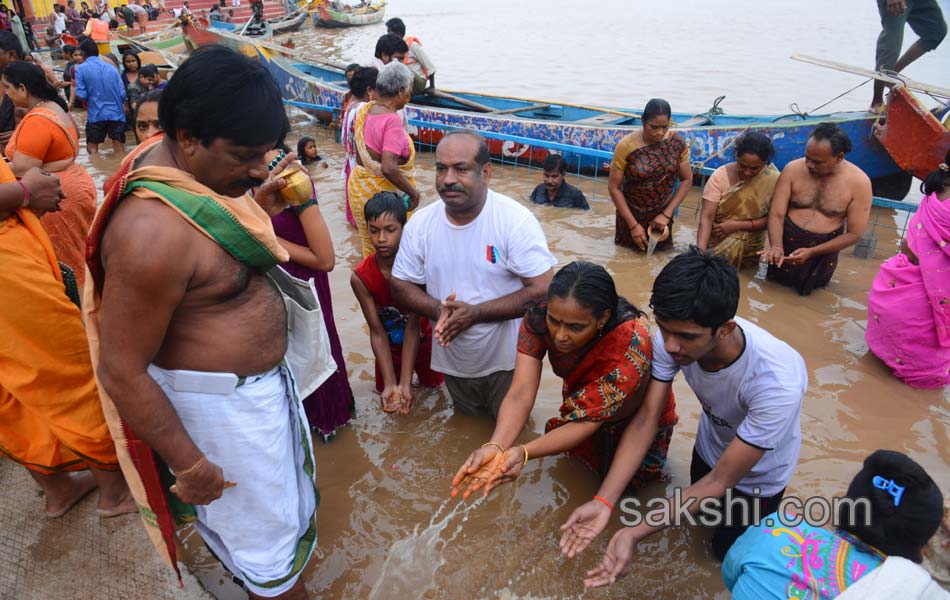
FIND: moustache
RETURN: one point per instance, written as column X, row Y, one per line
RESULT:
column 452, row 188
column 250, row 182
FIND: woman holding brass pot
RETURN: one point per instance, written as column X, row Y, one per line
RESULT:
column 302, row 230
column 385, row 154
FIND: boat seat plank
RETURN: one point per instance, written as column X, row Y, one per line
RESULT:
column 463, row 101
column 519, row 109
column 598, row 119
column 697, row 121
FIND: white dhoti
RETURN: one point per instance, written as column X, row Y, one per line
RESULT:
column 264, row 529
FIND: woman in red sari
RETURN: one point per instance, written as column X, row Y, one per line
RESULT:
column 643, row 174
column 600, row 345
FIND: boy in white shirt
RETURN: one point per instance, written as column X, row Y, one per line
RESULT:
column 750, row 385
column 471, row 263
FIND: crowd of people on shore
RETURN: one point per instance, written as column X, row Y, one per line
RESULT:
column 181, row 371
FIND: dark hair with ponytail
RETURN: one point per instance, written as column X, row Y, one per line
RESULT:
column 939, row 180
column 592, row 287
column 34, row 80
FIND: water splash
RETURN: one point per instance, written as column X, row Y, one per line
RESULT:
column 412, row 562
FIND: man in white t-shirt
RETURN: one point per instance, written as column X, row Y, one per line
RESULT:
column 750, row 385
column 470, row 263
column 59, row 19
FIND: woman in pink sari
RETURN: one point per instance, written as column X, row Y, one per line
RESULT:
column 909, row 302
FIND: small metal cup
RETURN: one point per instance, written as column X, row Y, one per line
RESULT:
column 298, row 189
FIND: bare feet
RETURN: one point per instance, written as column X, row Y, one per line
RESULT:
column 127, row 506
column 64, row 491
column 114, row 496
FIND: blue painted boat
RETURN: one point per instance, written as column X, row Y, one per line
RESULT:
column 291, row 22
column 709, row 135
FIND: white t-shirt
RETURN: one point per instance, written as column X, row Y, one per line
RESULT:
column 480, row 261
column 757, row 398
column 59, row 22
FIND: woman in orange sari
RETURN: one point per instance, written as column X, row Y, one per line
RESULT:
column 48, row 138
column 600, row 345
column 643, row 179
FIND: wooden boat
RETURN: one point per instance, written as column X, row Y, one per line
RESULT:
column 913, row 136
column 522, row 121
column 333, row 15
column 285, row 24
column 165, row 51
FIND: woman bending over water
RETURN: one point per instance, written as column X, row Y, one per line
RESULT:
column 600, row 345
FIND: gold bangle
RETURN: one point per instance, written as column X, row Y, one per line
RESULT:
column 496, row 444
column 192, row 468
column 523, row 447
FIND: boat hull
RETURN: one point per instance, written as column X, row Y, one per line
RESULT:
column 282, row 25
column 327, row 17
column 916, row 140
column 709, row 144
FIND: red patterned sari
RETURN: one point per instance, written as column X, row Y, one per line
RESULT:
column 596, row 384
column 648, row 183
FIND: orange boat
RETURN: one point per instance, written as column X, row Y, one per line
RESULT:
column 912, row 135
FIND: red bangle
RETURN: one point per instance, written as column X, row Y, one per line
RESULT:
column 607, row 504
column 26, row 194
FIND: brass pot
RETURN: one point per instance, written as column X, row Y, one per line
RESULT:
column 298, row 189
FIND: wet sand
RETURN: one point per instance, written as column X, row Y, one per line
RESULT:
column 385, row 477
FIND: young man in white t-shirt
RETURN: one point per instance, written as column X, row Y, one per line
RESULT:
column 750, row 385
column 471, row 263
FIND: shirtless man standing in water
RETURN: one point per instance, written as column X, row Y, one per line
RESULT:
column 820, row 206
column 192, row 334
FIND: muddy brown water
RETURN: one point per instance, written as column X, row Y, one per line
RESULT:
column 386, row 526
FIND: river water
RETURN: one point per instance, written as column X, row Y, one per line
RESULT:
column 387, row 528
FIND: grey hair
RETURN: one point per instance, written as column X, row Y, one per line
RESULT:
column 394, row 80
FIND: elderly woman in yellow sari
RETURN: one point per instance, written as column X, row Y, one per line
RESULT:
column 385, row 154
column 736, row 202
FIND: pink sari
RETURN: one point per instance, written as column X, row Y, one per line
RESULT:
column 909, row 305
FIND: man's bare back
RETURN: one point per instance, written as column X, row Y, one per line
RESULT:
column 820, row 204
column 212, row 312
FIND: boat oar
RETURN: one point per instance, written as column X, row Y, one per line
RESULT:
column 887, row 77
column 463, row 101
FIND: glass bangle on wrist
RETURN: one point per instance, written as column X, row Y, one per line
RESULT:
column 276, row 161
column 302, row 207
column 26, row 194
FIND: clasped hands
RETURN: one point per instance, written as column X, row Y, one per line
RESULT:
column 455, row 317
column 397, row 399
